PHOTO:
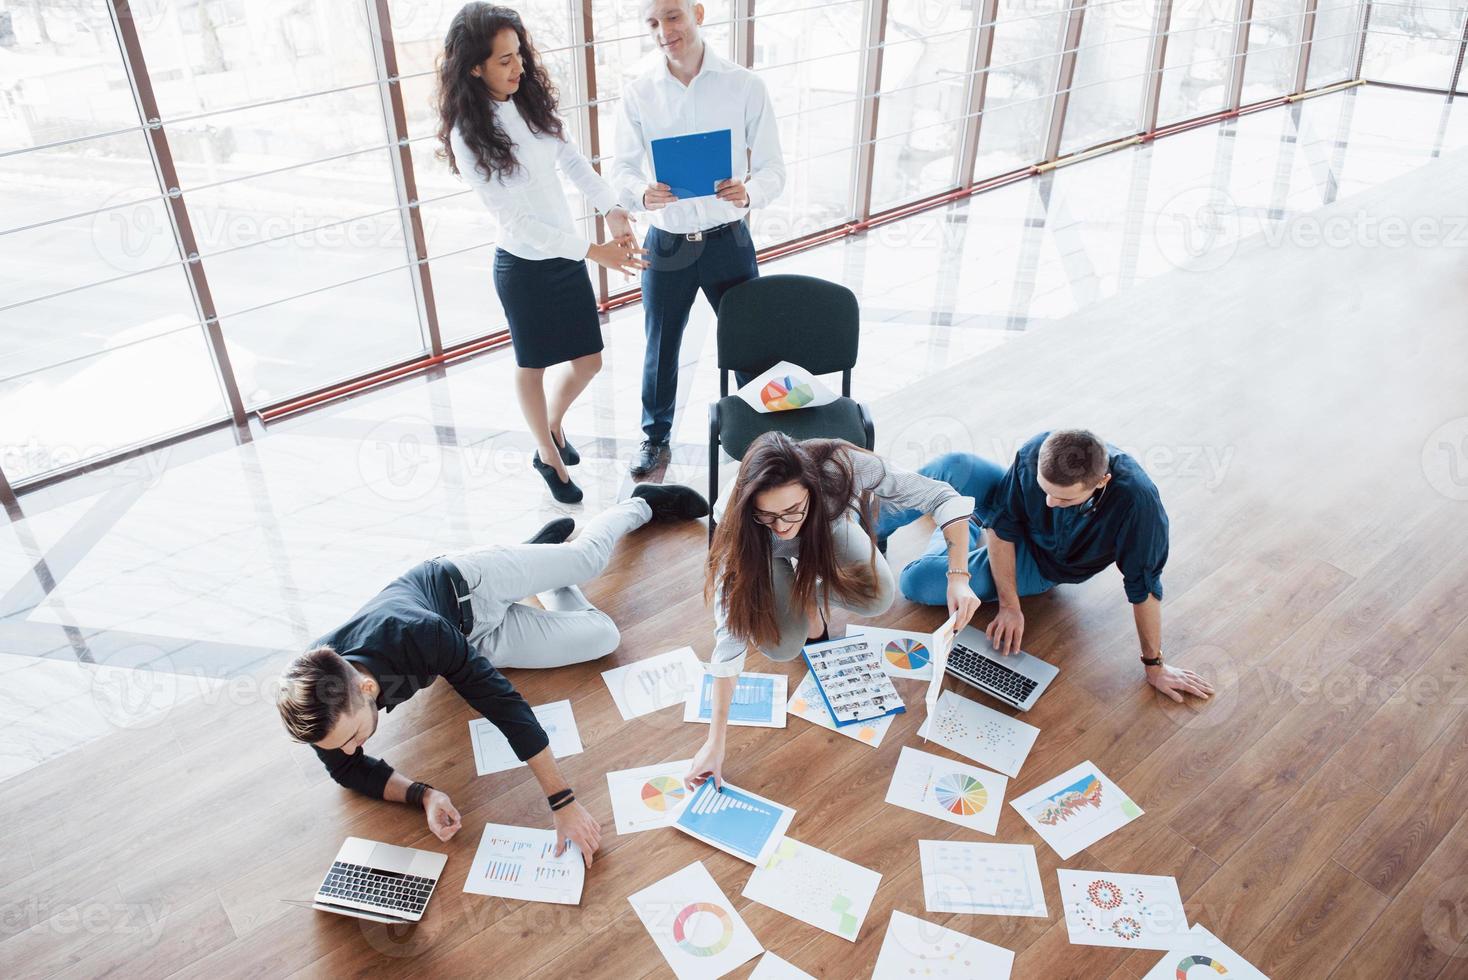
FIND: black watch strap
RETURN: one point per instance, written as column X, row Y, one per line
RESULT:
column 1152, row 661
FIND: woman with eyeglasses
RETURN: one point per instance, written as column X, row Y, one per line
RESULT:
column 797, row 538
column 500, row 129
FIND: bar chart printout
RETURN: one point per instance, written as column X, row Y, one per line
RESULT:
column 520, row 862
column 735, row 820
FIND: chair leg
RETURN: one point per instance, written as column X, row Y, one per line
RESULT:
column 713, row 465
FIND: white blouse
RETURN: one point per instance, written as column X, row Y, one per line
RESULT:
column 530, row 204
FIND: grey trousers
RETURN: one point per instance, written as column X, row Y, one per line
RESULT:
column 570, row 630
column 853, row 547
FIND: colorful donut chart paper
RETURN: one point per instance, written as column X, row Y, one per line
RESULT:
column 695, row 927
column 1200, row 955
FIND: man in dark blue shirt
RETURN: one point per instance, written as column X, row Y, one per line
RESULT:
column 1068, row 507
column 458, row 617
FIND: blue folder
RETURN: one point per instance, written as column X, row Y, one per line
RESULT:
column 691, row 165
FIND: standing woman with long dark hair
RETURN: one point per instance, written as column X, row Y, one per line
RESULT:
column 500, row 131
column 796, row 538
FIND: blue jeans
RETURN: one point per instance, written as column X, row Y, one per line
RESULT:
column 677, row 270
column 925, row 579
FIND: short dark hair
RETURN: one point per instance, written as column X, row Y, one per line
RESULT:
column 1073, row 456
column 314, row 691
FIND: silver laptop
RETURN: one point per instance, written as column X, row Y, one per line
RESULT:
column 381, row 882
column 1018, row 679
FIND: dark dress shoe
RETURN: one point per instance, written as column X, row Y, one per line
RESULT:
column 672, row 502
column 568, row 452
column 565, row 492
column 650, row 455
column 554, row 532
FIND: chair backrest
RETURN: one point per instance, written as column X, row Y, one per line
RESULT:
column 802, row 319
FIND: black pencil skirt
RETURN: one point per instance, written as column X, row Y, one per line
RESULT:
column 551, row 308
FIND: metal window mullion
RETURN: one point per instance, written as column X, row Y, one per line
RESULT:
column 874, row 33
column 1458, row 65
column 1241, row 50
column 980, row 55
column 146, row 101
column 1307, row 36
column 1064, row 78
column 743, row 35
column 1152, row 97
column 405, row 182
column 584, row 68
column 1361, row 44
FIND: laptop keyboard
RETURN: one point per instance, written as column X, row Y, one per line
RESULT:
column 979, row 669
column 407, row 893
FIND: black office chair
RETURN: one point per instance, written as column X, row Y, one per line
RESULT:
column 801, row 319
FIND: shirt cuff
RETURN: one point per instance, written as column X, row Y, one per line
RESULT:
column 958, row 508
column 726, row 668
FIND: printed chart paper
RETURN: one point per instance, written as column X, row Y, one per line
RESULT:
column 981, row 879
column 649, row 797
column 943, row 640
column 906, row 653
column 951, row 791
column 695, row 927
column 984, row 735
column 734, row 820
column 1202, row 948
column 771, row 967
column 916, row 948
column 759, row 701
column 1103, row 908
column 815, row 887
column 806, row 703
column 655, row 683
column 492, row 752
column 785, row 388
column 519, row 862
column 1076, row 809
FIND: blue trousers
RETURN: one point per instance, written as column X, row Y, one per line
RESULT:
column 677, row 270
column 925, row 579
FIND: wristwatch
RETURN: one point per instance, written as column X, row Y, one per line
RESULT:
column 1152, row 661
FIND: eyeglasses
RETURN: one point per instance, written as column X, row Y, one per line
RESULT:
column 793, row 516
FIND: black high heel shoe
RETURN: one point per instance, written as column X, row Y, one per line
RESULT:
column 568, row 452
column 565, row 492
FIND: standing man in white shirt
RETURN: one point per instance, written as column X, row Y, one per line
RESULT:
column 701, row 243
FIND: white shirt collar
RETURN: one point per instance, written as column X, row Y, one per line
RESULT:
column 713, row 63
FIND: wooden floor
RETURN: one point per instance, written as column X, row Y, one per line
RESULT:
column 1315, row 813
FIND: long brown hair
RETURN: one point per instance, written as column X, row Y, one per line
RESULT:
column 464, row 100
column 740, row 557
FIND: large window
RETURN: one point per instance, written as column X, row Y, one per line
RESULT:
column 924, row 88
column 279, row 146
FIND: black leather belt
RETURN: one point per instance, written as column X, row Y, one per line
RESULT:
column 698, row 236
column 461, row 593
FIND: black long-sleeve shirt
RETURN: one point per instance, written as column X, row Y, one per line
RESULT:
column 406, row 636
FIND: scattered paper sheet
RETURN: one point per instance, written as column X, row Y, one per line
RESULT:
column 984, row 735
column 771, row 967
column 518, row 862
column 649, row 797
column 492, row 752
column 654, row 683
column 942, row 646
column 1202, row 948
column 981, row 879
column 916, row 948
column 785, row 388
column 734, row 820
column 951, row 791
column 759, row 701
column 852, row 683
column 806, row 703
column 815, row 887
column 1076, row 809
column 1103, row 908
column 696, row 928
